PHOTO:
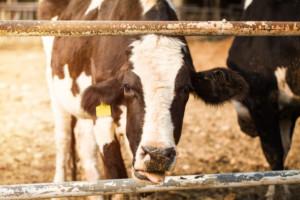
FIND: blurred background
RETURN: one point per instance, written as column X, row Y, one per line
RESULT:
column 187, row 9
column 211, row 140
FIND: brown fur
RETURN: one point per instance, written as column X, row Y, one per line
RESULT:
column 51, row 8
column 113, row 161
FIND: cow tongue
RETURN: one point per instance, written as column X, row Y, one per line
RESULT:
column 154, row 178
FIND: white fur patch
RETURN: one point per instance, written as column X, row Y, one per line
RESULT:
column 247, row 4
column 147, row 5
column 86, row 148
column 93, row 5
column 60, row 89
column 171, row 4
column 104, row 131
column 48, row 45
column 285, row 94
column 62, row 94
column 157, row 61
column 241, row 109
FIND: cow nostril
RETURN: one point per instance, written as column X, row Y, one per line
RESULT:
column 146, row 150
column 170, row 153
column 158, row 153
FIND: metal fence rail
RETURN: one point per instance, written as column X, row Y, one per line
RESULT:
column 76, row 189
column 130, row 28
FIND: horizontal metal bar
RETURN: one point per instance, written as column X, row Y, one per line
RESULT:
column 104, row 187
column 131, row 28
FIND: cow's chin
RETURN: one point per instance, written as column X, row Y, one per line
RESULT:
column 148, row 176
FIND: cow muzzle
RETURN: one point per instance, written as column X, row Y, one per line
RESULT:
column 152, row 163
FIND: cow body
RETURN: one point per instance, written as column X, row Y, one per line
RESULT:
column 270, row 65
column 144, row 81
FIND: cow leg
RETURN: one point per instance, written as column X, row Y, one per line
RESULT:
column 286, row 131
column 274, row 154
column 287, row 125
column 266, row 118
column 267, row 123
column 127, row 156
column 286, row 192
column 110, row 149
column 277, row 156
column 62, row 128
column 270, row 192
column 87, row 150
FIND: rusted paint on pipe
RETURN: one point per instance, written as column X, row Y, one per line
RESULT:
column 76, row 189
column 131, row 28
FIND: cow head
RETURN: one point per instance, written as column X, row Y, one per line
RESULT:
column 155, row 89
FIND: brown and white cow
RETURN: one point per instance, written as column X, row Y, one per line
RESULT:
column 145, row 81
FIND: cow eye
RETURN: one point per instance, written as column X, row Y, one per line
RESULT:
column 128, row 91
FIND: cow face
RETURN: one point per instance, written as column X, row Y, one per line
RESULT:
column 155, row 90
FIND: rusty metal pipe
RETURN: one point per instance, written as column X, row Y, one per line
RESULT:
column 132, row 28
column 103, row 187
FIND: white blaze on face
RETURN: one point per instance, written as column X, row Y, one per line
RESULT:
column 93, row 5
column 157, row 61
column 247, row 4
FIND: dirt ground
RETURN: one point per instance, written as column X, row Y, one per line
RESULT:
column 211, row 140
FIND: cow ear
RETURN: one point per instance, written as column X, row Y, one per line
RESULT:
column 107, row 92
column 219, row 85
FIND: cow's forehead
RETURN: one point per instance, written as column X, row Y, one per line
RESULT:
column 157, row 60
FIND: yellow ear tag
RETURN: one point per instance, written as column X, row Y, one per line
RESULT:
column 103, row 110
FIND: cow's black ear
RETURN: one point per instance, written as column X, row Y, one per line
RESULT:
column 107, row 92
column 219, row 85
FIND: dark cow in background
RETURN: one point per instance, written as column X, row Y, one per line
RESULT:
column 271, row 67
column 135, row 86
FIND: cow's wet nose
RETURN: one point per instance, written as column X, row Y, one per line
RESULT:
column 159, row 159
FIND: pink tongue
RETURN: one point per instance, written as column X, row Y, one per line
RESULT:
column 155, row 178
